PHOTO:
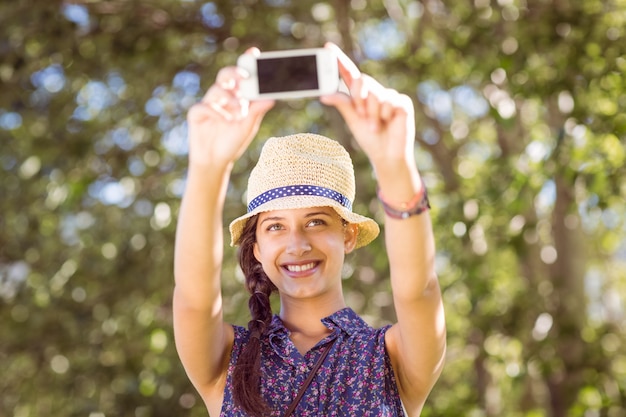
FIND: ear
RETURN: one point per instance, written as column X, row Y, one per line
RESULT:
column 351, row 232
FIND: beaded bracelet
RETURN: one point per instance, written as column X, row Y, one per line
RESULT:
column 416, row 206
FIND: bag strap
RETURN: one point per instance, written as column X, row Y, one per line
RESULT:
column 309, row 379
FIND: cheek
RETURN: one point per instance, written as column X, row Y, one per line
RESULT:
column 335, row 243
column 266, row 252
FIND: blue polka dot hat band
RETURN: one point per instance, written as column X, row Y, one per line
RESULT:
column 296, row 190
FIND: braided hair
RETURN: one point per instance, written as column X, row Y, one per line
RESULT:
column 247, row 371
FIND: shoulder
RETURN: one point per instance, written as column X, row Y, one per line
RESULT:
column 359, row 337
column 359, row 330
column 241, row 335
column 350, row 322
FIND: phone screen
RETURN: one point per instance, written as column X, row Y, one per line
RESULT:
column 287, row 74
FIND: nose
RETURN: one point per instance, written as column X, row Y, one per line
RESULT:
column 298, row 244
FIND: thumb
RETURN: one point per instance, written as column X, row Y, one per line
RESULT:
column 343, row 104
column 260, row 107
column 256, row 112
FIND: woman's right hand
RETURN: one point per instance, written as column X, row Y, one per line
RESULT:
column 222, row 124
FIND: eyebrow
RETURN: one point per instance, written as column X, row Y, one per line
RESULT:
column 308, row 215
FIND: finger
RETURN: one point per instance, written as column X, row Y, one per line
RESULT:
column 372, row 105
column 367, row 93
column 344, row 105
column 217, row 95
column 253, row 50
column 358, row 93
column 352, row 76
column 405, row 113
column 386, row 111
column 223, row 112
column 198, row 112
column 336, row 100
column 406, row 104
column 347, row 68
column 204, row 111
column 260, row 107
column 387, row 106
column 224, row 103
column 228, row 77
column 242, row 73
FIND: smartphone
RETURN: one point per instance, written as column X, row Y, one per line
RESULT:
column 289, row 74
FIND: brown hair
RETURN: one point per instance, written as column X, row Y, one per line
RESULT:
column 247, row 372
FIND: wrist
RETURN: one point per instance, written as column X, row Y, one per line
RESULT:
column 203, row 171
column 383, row 164
column 202, row 163
column 405, row 209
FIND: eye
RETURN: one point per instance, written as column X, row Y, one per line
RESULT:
column 316, row 222
column 274, row 227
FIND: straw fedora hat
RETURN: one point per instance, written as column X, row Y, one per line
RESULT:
column 300, row 171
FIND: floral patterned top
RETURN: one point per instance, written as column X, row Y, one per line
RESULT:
column 356, row 379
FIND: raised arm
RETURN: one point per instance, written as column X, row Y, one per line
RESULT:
column 220, row 127
column 382, row 121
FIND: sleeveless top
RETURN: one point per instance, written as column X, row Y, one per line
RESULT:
column 356, row 379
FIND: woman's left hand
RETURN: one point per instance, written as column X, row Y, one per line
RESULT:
column 381, row 119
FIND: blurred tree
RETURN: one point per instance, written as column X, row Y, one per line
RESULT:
column 522, row 130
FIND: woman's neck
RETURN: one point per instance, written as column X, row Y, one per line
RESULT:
column 303, row 319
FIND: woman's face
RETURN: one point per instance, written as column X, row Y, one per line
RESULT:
column 302, row 250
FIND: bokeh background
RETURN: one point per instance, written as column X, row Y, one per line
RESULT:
column 521, row 116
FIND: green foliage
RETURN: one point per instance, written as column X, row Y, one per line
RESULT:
column 521, row 113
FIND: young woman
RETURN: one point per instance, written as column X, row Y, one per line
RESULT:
column 293, row 241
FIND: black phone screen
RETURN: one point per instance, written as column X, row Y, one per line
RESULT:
column 287, row 74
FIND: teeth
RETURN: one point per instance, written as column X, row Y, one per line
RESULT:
column 300, row 268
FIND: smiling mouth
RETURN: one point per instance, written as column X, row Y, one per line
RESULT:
column 300, row 268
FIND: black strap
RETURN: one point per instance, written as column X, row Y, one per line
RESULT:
column 309, row 379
